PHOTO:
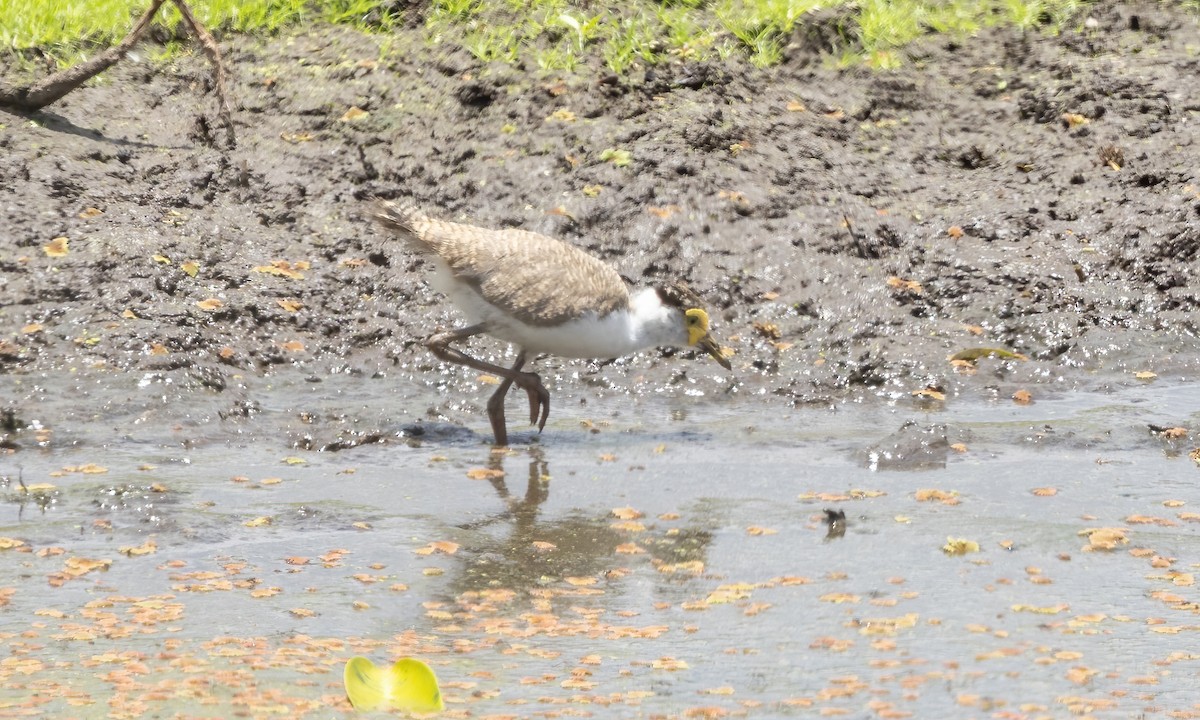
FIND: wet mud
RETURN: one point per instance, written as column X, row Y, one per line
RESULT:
column 851, row 228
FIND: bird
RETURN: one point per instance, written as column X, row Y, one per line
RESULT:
column 545, row 296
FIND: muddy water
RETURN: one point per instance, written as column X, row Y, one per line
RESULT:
column 670, row 557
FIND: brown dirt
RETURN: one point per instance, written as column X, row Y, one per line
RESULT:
column 741, row 182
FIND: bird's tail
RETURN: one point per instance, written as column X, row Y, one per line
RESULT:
column 401, row 216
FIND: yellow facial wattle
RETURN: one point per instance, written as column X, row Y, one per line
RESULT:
column 697, row 325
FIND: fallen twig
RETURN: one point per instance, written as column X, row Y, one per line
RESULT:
column 48, row 90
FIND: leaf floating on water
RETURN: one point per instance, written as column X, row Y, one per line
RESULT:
column 1022, row 397
column 485, row 473
column 261, row 521
column 1041, row 610
column 973, row 354
column 960, row 546
column 409, row 685
column 445, row 547
column 933, row 495
column 1145, row 375
column 147, row 548
column 1045, row 491
column 56, row 247
column 669, row 663
column 7, row 543
column 1170, row 433
column 1104, row 539
column 930, row 392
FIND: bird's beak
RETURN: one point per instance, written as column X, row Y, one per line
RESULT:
column 710, row 346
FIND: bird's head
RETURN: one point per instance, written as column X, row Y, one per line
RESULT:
column 695, row 319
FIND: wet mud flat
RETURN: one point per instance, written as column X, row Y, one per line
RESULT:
column 230, row 465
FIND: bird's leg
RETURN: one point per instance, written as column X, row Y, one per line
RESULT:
column 539, row 397
column 495, row 405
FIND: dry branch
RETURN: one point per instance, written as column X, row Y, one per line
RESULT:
column 44, row 92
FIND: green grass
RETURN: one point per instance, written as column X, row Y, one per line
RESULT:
column 562, row 36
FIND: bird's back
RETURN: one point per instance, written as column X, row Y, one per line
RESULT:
column 537, row 279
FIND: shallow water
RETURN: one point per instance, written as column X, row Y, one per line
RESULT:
column 670, row 558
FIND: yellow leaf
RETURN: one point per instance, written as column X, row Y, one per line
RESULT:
column 32, row 328
column 129, row 314
column 960, row 546
column 485, row 474
column 146, row 548
column 7, row 543
column 973, row 354
column 283, row 268
column 210, row 305
column 191, row 268
column 161, row 259
column 292, row 460
column 1073, row 120
column 903, row 285
column 930, row 392
column 1104, row 538
column 56, row 247
column 261, row 521
column 90, row 212
column 290, row 305
column 1145, row 375
column 353, row 114
column 1042, row 610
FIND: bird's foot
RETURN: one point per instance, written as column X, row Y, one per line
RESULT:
column 539, row 398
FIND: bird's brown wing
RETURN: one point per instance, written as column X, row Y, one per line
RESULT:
column 538, row 279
